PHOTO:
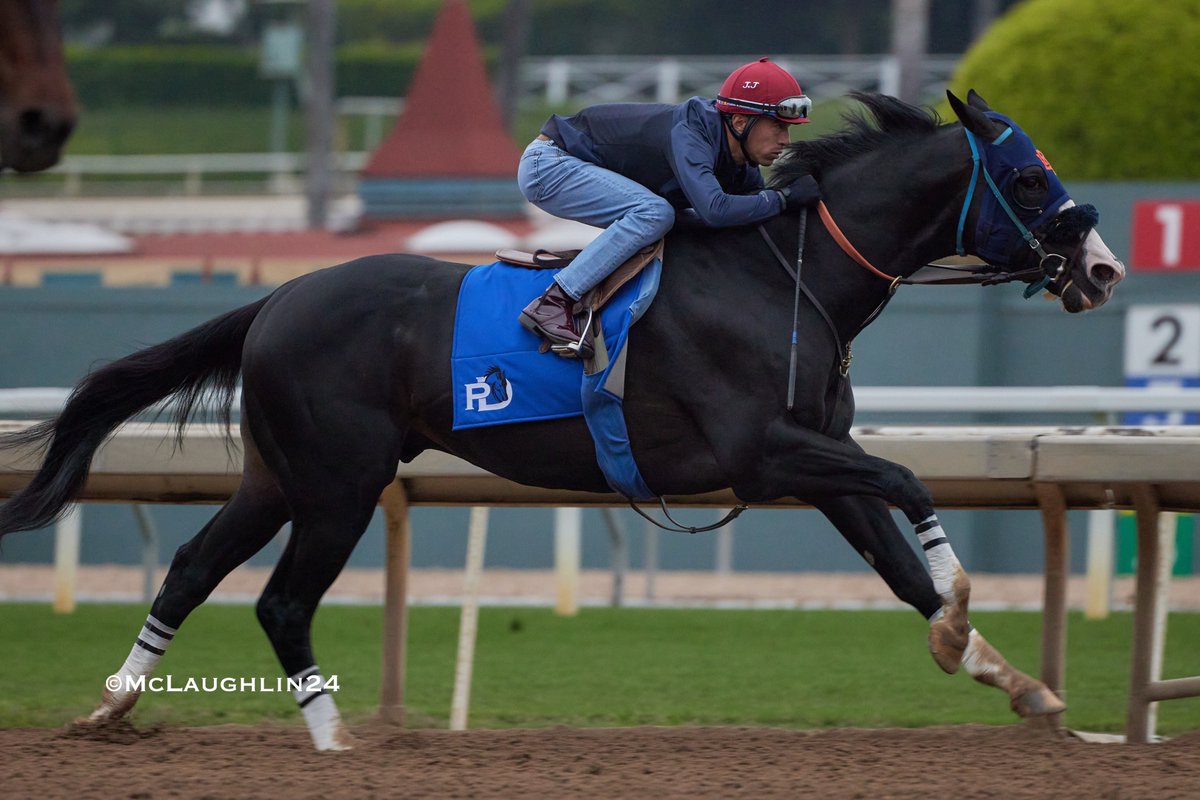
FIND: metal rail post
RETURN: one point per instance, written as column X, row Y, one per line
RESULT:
column 1054, row 597
column 395, row 608
column 1154, row 544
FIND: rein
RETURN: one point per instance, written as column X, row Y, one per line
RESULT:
column 848, row 248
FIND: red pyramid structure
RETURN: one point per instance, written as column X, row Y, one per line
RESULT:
column 451, row 126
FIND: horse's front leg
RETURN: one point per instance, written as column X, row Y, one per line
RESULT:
column 797, row 462
column 868, row 526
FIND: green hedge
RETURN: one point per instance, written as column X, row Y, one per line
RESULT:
column 1108, row 88
column 204, row 75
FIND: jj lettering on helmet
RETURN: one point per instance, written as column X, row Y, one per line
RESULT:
column 763, row 88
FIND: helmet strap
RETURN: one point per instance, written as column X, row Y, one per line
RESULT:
column 741, row 137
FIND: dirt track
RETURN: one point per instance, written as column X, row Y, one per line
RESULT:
column 274, row 762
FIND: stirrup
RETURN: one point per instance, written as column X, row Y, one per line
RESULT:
column 576, row 349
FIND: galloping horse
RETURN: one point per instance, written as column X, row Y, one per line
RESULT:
column 346, row 372
column 37, row 104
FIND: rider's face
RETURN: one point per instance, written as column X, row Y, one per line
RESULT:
column 766, row 140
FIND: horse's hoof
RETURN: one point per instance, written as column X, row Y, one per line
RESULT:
column 1038, row 701
column 947, row 643
column 334, row 740
column 338, row 745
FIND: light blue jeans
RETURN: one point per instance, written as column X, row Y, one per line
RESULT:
column 632, row 216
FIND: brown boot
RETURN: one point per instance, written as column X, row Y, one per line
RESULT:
column 553, row 316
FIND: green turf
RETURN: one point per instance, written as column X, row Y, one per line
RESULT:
column 605, row 667
column 138, row 130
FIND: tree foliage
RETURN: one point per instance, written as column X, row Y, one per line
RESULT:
column 1108, row 88
column 565, row 27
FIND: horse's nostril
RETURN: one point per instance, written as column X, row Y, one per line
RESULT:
column 39, row 127
column 31, row 120
column 1103, row 274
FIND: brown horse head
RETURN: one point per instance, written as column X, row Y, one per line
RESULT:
column 37, row 104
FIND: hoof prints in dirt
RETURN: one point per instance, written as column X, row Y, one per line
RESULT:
column 1017, row 761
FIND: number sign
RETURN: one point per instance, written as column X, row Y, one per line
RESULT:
column 1162, row 341
column 1166, row 235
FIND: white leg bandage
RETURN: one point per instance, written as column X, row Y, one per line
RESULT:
column 978, row 662
column 148, row 649
column 320, row 712
column 943, row 564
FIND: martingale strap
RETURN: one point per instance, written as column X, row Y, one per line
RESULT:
column 676, row 527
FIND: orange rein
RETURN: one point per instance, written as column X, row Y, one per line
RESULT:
column 850, row 249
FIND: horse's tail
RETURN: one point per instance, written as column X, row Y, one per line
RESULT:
column 204, row 362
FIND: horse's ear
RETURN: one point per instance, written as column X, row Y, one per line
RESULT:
column 975, row 101
column 973, row 119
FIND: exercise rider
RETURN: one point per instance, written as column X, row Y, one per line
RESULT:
column 627, row 167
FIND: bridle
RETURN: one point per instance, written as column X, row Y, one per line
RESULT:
column 1050, row 274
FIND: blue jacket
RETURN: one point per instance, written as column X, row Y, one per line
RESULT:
column 679, row 152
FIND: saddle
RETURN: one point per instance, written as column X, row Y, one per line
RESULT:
column 603, row 292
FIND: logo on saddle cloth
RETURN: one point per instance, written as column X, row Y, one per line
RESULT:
column 492, row 384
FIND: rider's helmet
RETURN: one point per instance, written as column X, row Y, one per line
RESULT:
column 764, row 88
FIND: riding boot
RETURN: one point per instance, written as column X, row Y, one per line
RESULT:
column 552, row 315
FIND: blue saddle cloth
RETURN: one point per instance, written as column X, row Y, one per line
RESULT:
column 499, row 377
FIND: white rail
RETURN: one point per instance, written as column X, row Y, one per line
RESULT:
column 583, row 80
column 284, row 169
column 898, row 399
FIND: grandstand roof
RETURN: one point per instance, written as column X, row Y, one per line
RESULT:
column 451, row 125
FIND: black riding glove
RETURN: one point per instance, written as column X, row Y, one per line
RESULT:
column 800, row 193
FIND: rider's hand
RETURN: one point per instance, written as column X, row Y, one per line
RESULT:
column 800, row 193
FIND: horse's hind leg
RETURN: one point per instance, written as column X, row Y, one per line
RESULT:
column 869, row 528
column 322, row 539
column 334, row 480
column 238, row 531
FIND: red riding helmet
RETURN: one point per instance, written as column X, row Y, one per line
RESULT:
column 764, row 88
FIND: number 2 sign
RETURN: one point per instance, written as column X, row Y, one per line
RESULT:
column 1162, row 341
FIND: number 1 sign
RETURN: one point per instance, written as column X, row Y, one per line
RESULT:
column 1166, row 235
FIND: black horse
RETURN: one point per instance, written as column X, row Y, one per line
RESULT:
column 345, row 373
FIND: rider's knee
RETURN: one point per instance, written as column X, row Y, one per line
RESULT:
column 657, row 215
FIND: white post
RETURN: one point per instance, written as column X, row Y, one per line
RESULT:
column 469, row 621
column 66, row 559
column 558, row 81
column 667, row 90
column 568, row 533
column 724, row 545
column 1101, row 524
column 651, row 559
column 889, row 76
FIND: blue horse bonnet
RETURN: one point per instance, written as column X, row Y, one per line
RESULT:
column 996, row 237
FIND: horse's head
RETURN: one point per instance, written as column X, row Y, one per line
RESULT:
column 494, row 377
column 37, row 105
column 1018, row 214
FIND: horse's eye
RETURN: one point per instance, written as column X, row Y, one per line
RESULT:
column 1030, row 188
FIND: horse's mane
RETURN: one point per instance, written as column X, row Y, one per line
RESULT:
column 882, row 119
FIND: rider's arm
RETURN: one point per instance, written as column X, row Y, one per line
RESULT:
column 693, row 153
